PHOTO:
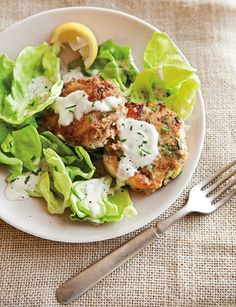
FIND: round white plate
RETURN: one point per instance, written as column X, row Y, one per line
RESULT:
column 31, row 215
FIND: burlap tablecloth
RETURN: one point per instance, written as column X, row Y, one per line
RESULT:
column 194, row 263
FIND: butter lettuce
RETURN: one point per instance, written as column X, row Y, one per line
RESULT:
column 161, row 50
column 82, row 167
column 14, row 165
column 112, row 62
column 5, row 129
column 77, row 162
column 6, row 75
column 146, row 85
column 166, row 77
column 55, row 184
column 22, row 99
column 182, row 101
column 25, row 145
column 21, row 150
column 50, row 140
column 95, row 201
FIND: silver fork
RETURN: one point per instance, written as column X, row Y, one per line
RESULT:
column 203, row 198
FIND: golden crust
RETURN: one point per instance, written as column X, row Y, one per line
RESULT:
column 172, row 149
column 96, row 88
column 94, row 129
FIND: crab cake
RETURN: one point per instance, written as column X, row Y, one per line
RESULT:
column 150, row 148
column 86, row 112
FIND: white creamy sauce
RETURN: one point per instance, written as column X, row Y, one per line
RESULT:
column 140, row 146
column 16, row 190
column 39, row 86
column 76, row 104
column 95, row 190
column 72, row 74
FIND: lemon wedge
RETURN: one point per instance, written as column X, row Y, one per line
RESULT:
column 80, row 38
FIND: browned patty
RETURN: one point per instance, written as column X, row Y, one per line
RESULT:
column 97, row 129
column 96, row 88
column 172, row 148
column 94, row 129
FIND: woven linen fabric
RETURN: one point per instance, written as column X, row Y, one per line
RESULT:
column 194, row 263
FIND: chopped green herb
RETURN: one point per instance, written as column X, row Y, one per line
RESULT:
column 131, row 128
column 165, row 128
column 140, row 134
column 122, row 155
column 70, row 107
column 27, row 179
column 104, row 115
column 37, row 171
column 147, row 152
column 112, row 111
column 32, row 103
column 142, row 153
column 167, row 93
column 167, row 150
column 90, row 117
column 123, row 140
column 145, row 142
column 149, row 167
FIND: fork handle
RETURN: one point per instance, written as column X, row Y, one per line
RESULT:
column 163, row 225
column 76, row 286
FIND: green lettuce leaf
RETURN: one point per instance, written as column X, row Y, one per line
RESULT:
column 14, row 165
column 50, row 140
column 183, row 100
column 161, row 50
column 35, row 85
column 25, row 145
column 20, row 149
column 55, row 184
column 167, row 77
column 95, row 201
column 77, row 162
column 82, row 167
column 113, row 62
column 146, row 85
column 6, row 74
column 5, row 129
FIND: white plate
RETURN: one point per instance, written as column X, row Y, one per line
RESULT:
column 31, row 216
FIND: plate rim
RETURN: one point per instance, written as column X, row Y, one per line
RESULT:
column 201, row 143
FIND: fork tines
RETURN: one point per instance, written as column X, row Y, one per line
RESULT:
column 213, row 197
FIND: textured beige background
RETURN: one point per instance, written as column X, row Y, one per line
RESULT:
column 194, row 263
